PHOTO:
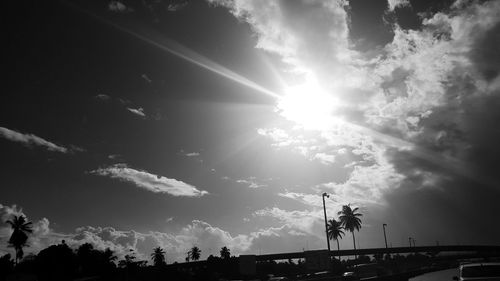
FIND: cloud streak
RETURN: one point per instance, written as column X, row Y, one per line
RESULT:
column 31, row 140
column 148, row 181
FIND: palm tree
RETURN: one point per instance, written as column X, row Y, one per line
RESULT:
column 225, row 253
column 349, row 219
column 194, row 253
column 19, row 237
column 335, row 232
column 158, row 256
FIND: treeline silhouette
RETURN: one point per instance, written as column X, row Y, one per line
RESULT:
column 61, row 262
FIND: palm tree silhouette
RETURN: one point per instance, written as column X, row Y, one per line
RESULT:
column 194, row 253
column 158, row 256
column 225, row 253
column 19, row 237
column 350, row 221
column 335, row 232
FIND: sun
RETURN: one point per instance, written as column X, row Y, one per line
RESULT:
column 308, row 105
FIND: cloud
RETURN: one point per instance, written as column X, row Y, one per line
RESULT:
column 103, row 97
column 192, row 154
column 325, row 158
column 41, row 237
column 210, row 239
column 30, row 140
column 127, row 104
column 305, row 221
column 139, row 111
column 393, row 4
column 251, row 182
column 413, row 115
column 294, row 30
column 148, row 181
column 174, row 7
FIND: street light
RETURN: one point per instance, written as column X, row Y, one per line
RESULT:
column 385, row 236
column 326, row 223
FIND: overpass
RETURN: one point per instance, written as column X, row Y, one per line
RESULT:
column 396, row 250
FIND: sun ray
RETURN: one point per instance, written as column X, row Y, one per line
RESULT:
column 181, row 51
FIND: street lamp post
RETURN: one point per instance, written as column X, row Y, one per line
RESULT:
column 385, row 236
column 326, row 223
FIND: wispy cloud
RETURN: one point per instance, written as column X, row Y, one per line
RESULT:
column 127, row 104
column 148, row 181
column 103, row 97
column 251, row 182
column 137, row 111
column 174, row 7
column 31, row 140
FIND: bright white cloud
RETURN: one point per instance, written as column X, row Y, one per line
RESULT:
column 393, row 4
column 30, row 140
column 148, row 181
column 415, row 74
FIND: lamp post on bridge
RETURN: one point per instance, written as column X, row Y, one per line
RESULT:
column 385, row 236
column 326, row 222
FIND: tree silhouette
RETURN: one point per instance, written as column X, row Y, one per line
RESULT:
column 158, row 256
column 194, row 254
column 225, row 253
column 335, row 232
column 109, row 256
column 19, row 237
column 128, row 262
column 349, row 219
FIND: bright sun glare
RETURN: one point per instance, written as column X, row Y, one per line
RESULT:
column 307, row 105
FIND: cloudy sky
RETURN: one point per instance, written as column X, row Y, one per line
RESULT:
column 136, row 124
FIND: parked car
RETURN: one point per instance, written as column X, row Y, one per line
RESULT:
column 479, row 271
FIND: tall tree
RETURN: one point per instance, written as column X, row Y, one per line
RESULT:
column 109, row 256
column 225, row 254
column 158, row 256
column 335, row 232
column 19, row 238
column 349, row 219
column 195, row 253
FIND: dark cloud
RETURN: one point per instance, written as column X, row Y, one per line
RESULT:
column 456, row 198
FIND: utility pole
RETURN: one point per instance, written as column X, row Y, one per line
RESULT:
column 326, row 222
column 385, row 236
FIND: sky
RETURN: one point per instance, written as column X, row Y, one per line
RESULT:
column 137, row 124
